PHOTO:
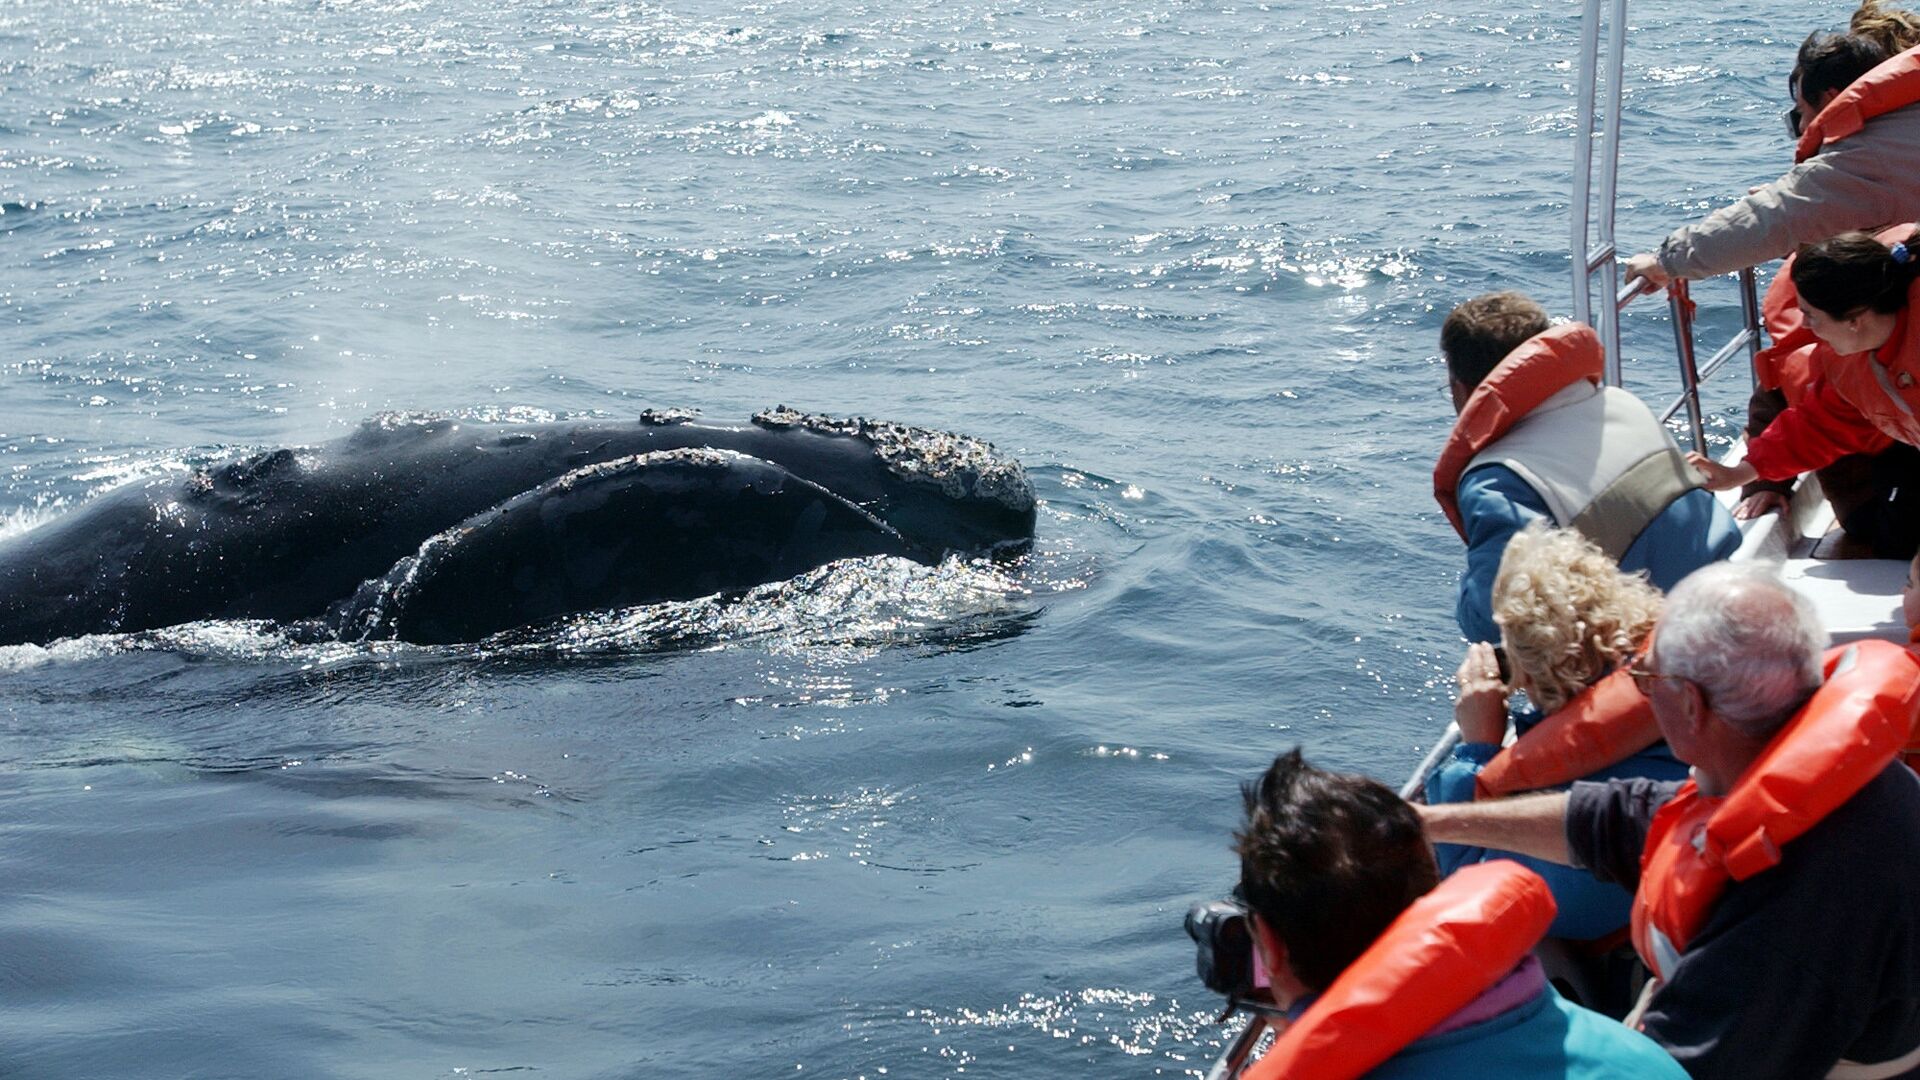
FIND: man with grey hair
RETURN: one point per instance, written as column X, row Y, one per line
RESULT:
column 1809, row 965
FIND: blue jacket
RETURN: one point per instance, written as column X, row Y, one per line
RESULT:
column 1547, row 1036
column 1495, row 503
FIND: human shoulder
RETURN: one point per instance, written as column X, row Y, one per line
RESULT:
column 1879, row 827
column 1547, row 1035
column 1883, row 152
column 1823, row 949
column 1496, row 502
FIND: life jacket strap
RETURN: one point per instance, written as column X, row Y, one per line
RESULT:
column 1619, row 514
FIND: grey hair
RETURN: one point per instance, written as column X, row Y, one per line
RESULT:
column 1748, row 641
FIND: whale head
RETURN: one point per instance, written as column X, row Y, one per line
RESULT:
column 943, row 491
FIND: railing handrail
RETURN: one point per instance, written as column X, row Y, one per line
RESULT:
column 1593, row 213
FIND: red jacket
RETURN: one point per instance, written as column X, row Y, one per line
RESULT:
column 1855, row 404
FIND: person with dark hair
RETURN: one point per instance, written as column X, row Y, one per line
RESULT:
column 1849, row 95
column 1857, row 155
column 1339, row 883
column 1776, row 891
column 1538, row 437
column 1855, row 293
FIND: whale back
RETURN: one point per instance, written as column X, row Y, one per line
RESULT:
column 287, row 534
column 666, row 525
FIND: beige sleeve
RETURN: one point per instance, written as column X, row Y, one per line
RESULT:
column 1864, row 182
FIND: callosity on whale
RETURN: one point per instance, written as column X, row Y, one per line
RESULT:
column 441, row 530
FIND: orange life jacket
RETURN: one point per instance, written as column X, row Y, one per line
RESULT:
column 1541, row 367
column 1449, row 947
column 1848, row 732
column 1893, row 85
column 1786, row 364
column 1797, row 357
column 1606, row 723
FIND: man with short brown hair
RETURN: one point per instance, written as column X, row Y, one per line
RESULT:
column 1538, row 436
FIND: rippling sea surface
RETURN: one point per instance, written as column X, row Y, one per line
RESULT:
column 1186, row 261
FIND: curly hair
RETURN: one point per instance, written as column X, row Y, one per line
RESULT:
column 1894, row 30
column 1567, row 613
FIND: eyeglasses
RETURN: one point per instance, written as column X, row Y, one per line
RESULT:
column 1793, row 117
column 1644, row 679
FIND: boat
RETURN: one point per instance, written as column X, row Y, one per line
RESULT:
column 1857, row 596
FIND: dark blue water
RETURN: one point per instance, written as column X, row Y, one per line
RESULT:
column 1187, row 262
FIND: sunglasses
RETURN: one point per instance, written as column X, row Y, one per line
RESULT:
column 1793, row 117
column 1645, row 679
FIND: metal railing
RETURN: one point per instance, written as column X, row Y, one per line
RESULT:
column 1598, row 254
column 1692, row 375
column 1594, row 249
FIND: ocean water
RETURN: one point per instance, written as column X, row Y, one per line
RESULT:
column 1186, row 261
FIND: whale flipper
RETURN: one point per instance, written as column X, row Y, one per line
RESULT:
column 666, row 525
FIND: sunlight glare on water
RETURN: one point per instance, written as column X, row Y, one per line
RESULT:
column 1188, row 264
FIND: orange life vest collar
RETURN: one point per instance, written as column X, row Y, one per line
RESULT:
column 1541, row 367
column 1604, row 724
column 1449, row 947
column 1848, row 732
column 1893, row 85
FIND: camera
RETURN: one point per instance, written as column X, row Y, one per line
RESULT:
column 1222, row 934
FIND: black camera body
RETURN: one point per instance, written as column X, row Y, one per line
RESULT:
column 1222, row 933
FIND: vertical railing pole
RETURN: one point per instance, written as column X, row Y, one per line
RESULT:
column 1585, row 88
column 1750, row 313
column 1682, row 307
column 1610, row 185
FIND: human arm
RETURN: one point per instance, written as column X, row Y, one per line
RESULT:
column 1645, row 268
column 1819, row 431
column 1759, row 496
column 1860, row 182
column 1494, row 504
column 1720, row 477
column 1607, row 825
column 1529, row 824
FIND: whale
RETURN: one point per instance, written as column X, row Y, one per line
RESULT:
column 440, row 530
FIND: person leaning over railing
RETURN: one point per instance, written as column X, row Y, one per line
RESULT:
column 1569, row 621
column 1777, row 893
column 1858, row 156
column 1857, row 295
column 1385, row 974
column 1538, row 436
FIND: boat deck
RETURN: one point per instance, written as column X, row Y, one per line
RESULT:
column 1857, row 596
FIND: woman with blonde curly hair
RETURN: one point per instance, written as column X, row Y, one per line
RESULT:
column 1567, row 615
column 1569, row 622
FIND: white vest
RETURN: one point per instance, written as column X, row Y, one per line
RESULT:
column 1599, row 460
